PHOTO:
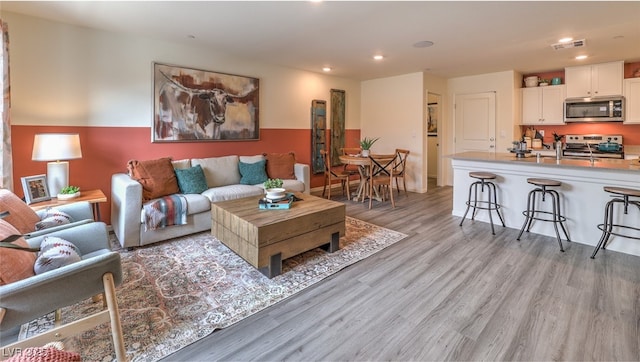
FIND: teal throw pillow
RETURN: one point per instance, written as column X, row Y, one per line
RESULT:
column 191, row 180
column 252, row 173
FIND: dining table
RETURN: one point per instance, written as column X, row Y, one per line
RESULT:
column 364, row 168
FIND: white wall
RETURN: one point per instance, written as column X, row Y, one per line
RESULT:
column 393, row 109
column 68, row 75
column 506, row 85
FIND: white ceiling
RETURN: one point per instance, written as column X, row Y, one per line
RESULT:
column 469, row 37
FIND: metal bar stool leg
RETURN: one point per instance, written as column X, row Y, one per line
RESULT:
column 475, row 200
column 527, row 214
column 495, row 202
column 609, row 225
column 606, row 227
column 532, row 209
column 556, row 217
column 468, row 204
column 561, row 219
column 490, row 198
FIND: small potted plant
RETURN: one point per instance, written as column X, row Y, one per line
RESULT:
column 69, row 192
column 543, row 82
column 273, row 188
column 366, row 144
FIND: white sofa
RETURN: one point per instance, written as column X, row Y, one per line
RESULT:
column 223, row 179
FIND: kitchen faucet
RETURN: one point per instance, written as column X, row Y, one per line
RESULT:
column 590, row 154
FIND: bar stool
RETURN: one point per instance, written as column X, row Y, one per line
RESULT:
column 608, row 225
column 491, row 202
column 533, row 214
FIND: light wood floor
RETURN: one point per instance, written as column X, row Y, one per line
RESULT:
column 449, row 293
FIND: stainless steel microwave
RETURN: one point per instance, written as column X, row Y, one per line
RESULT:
column 602, row 109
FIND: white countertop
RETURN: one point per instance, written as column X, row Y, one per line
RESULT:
column 531, row 159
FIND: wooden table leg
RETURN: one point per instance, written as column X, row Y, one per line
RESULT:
column 96, row 211
column 274, row 268
column 334, row 244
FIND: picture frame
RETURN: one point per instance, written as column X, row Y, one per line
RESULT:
column 35, row 188
column 432, row 119
column 191, row 105
column 318, row 134
column 338, row 106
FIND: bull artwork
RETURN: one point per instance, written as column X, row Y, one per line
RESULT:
column 193, row 105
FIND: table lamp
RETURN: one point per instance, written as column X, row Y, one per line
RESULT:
column 57, row 147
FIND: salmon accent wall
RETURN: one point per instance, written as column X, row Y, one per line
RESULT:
column 630, row 133
column 106, row 150
column 630, row 69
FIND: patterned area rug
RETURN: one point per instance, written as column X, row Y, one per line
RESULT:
column 177, row 292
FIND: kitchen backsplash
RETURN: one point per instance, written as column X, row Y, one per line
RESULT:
column 629, row 132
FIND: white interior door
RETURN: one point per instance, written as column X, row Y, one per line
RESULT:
column 475, row 122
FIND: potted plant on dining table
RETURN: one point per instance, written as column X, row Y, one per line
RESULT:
column 366, row 144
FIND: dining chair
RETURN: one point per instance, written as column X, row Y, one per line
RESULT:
column 351, row 151
column 381, row 176
column 329, row 174
column 351, row 169
column 400, row 168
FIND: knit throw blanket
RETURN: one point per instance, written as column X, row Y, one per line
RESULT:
column 166, row 211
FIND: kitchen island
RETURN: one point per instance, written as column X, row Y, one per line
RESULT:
column 582, row 201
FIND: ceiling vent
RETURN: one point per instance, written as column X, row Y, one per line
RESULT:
column 571, row 44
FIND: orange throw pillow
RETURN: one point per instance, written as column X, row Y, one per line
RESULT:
column 15, row 264
column 21, row 216
column 280, row 165
column 156, row 176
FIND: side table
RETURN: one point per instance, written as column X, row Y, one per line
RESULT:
column 92, row 196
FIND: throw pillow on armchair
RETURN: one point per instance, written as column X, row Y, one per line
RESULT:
column 16, row 264
column 21, row 216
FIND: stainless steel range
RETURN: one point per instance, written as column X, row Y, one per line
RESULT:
column 594, row 145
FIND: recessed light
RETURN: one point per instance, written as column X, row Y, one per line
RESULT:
column 565, row 40
column 326, row 69
column 423, row 44
column 378, row 57
column 581, row 57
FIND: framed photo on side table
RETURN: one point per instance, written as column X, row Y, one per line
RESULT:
column 35, row 188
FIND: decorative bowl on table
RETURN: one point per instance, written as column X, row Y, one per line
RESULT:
column 276, row 193
column 68, row 196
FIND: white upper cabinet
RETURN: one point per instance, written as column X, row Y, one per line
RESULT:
column 632, row 100
column 543, row 105
column 596, row 80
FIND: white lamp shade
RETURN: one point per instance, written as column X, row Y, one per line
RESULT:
column 56, row 147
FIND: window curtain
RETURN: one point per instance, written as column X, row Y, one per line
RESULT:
column 6, row 163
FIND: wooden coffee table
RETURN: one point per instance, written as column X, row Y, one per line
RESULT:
column 266, row 237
